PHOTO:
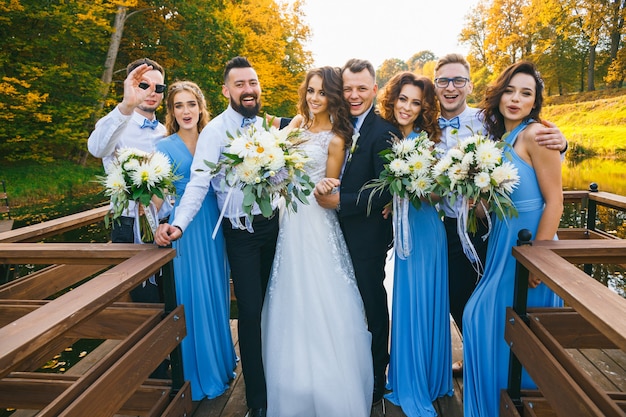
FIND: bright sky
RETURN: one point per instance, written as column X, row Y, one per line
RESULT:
column 383, row 29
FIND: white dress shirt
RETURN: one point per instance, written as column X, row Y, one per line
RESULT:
column 115, row 131
column 471, row 123
column 211, row 143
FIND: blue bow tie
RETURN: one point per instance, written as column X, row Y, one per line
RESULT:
column 247, row 121
column 454, row 122
column 152, row 124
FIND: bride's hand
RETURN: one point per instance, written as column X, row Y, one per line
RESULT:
column 326, row 185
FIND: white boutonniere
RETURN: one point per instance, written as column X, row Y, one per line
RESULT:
column 354, row 146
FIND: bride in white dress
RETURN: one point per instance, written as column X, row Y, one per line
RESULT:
column 316, row 346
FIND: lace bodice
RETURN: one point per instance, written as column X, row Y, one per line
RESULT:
column 316, row 148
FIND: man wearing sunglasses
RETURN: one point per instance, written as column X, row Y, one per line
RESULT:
column 133, row 124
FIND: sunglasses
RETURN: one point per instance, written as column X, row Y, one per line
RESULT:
column 158, row 88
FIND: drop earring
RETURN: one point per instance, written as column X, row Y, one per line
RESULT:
column 332, row 120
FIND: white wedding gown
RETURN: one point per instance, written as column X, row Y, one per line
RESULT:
column 316, row 346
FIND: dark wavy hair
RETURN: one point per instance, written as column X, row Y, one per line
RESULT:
column 171, row 124
column 427, row 121
column 490, row 105
column 338, row 108
column 155, row 66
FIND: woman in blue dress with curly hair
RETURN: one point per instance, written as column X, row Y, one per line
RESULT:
column 421, row 355
column 511, row 108
column 201, row 270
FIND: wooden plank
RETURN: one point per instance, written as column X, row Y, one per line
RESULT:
column 590, row 370
column 37, row 232
column 609, row 200
column 570, row 329
column 24, row 336
column 557, row 386
column 117, row 384
column 181, row 404
column 537, row 407
column 603, row 308
column 507, row 407
column 48, row 281
column 583, row 373
column 70, row 253
column 5, row 224
column 605, row 365
column 115, row 322
column 572, row 233
column 608, row 251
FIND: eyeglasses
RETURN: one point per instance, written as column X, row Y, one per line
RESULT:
column 158, row 88
column 458, row 82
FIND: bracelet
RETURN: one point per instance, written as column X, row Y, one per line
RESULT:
column 566, row 146
column 181, row 230
column 338, row 207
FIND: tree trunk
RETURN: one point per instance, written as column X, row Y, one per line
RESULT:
column 114, row 46
column 591, row 85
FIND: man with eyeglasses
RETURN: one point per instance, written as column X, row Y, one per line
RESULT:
column 459, row 121
column 133, row 124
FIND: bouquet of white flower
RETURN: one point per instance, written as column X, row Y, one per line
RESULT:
column 135, row 175
column 265, row 164
column 476, row 172
column 407, row 176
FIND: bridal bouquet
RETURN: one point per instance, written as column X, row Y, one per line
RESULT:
column 265, row 164
column 476, row 172
column 407, row 176
column 135, row 175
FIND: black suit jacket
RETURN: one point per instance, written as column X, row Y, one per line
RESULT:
column 366, row 235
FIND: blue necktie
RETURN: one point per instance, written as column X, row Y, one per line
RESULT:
column 355, row 120
column 247, row 121
column 454, row 122
column 151, row 124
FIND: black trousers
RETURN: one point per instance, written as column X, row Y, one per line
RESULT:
column 123, row 232
column 462, row 277
column 250, row 256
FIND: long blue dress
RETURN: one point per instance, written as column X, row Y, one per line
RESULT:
column 420, row 366
column 201, row 274
column 485, row 352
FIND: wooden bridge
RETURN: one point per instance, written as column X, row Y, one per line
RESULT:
column 576, row 355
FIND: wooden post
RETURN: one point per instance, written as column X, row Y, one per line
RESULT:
column 520, row 297
column 591, row 220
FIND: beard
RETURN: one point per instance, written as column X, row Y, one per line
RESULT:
column 243, row 110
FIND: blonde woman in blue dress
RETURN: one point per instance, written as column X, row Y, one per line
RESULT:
column 421, row 355
column 201, row 270
column 316, row 346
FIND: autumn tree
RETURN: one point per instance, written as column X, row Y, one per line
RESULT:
column 417, row 61
column 388, row 69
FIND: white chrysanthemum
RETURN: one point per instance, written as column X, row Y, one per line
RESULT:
column 455, row 154
column 160, row 164
column 276, row 158
column 506, row 177
column 420, row 185
column 472, row 140
column 241, row 147
column 124, row 154
column 457, row 172
column 399, row 167
column 247, row 172
column 144, row 175
column 442, row 166
column 468, row 160
column 482, row 180
column 488, row 155
column 131, row 165
column 115, row 182
column 419, row 163
column 403, row 147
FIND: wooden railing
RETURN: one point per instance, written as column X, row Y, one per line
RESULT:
column 40, row 317
column 595, row 318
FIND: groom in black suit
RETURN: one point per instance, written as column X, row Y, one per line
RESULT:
column 368, row 236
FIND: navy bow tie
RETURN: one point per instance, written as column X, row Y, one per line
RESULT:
column 247, row 121
column 454, row 122
column 152, row 124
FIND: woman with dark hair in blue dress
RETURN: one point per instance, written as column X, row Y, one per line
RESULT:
column 421, row 355
column 511, row 108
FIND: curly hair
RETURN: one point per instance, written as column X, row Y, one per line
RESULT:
column 427, row 120
column 338, row 108
column 170, row 120
column 490, row 105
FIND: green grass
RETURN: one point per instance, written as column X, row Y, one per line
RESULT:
column 32, row 183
